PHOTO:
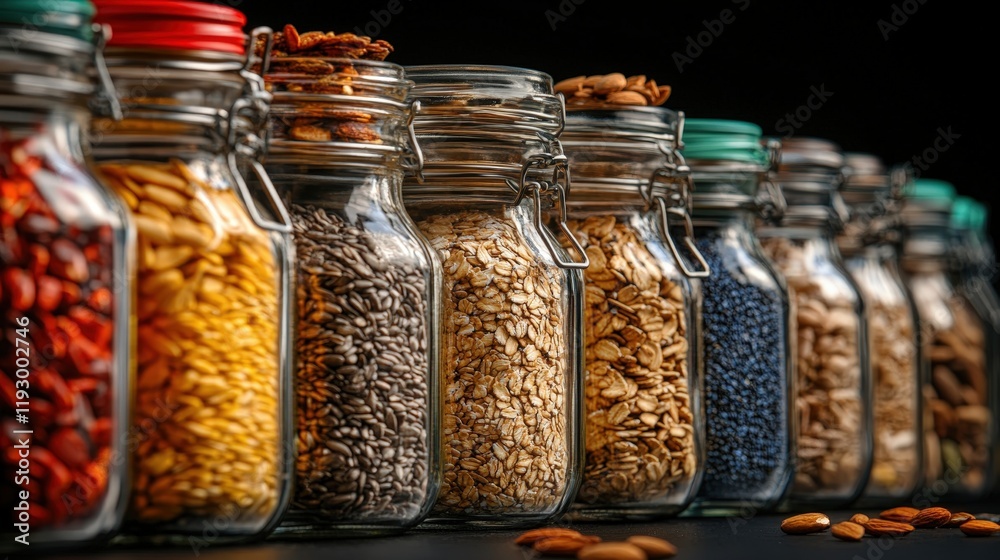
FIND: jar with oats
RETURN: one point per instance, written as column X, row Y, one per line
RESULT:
column 958, row 421
column 975, row 265
column 213, row 379
column 745, row 323
column 367, row 290
column 511, row 295
column 833, row 371
column 869, row 244
column 643, row 426
column 65, row 263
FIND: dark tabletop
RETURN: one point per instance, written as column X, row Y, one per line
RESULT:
column 696, row 538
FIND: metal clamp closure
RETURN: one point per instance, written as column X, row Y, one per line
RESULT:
column 413, row 156
column 247, row 148
column 676, row 202
column 107, row 96
column 556, row 190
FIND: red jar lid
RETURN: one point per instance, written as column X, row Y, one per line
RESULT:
column 173, row 24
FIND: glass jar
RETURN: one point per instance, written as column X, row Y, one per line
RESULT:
column 745, row 324
column 869, row 245
column 214, row 375
column 833, row 371
column 511, row 296
column 644, row 426
column 64, row 264
column 974, row 266
column 958, row 422
column 367, row 299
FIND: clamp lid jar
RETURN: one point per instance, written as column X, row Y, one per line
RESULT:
column 642, row 388
column 745, row 321
column 511, row 295
column 213, row 271
column 832, row 354
column 65, row 263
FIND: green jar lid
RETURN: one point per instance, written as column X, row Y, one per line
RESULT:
column 962, row 212
column 723, row 140
column 979, row 216
column 64, row 17
column 968, row 214
column 931, row 190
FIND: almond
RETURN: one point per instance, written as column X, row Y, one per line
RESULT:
column 805, row 523
column 882, row 527
column 627, row 98
column 535, row 535
column 653, row 547
column 957, row 519
column 899, row 514
column 611, row 551
column 570, row 85
column 979, row 528
column 860, row 518
column 564, row 546
column 848, row 531
column 610, row 83
column 930, row 518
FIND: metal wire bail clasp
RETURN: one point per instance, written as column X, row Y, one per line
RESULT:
column 556, row 189
column 246, row 147
column 106, row 97
column 676, row 202
column 413, row 156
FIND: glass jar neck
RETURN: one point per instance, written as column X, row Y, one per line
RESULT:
column 731, row 220
column 480, row 127
column 174, row 103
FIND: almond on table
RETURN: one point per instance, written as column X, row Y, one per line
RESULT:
column 805, row 523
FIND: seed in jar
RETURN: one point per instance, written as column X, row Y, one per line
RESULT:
column 831, row 419
column 503, row 370
column 633, row 316
column 745, row 381
column 894, row 367
column 362, row 394
column 207, row 365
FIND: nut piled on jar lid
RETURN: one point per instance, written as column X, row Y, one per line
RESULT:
column 324, row 63
column 594, row 92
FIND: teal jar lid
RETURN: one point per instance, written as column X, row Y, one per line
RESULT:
column 978, row 219
column 932, row 190
column 962, row 213
column 64, row 17
column 723, row 140
column 968, row 214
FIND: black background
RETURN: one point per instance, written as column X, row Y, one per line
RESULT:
column 893, row 90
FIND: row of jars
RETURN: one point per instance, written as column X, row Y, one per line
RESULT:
column 403, row 314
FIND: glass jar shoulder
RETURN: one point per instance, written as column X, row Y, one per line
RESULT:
column 879, row 284
column 739, row 255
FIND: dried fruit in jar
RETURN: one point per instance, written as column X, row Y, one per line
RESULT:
column 59, row 256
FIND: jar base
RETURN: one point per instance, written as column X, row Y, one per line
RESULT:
column 610, row 513
column 303, row 531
